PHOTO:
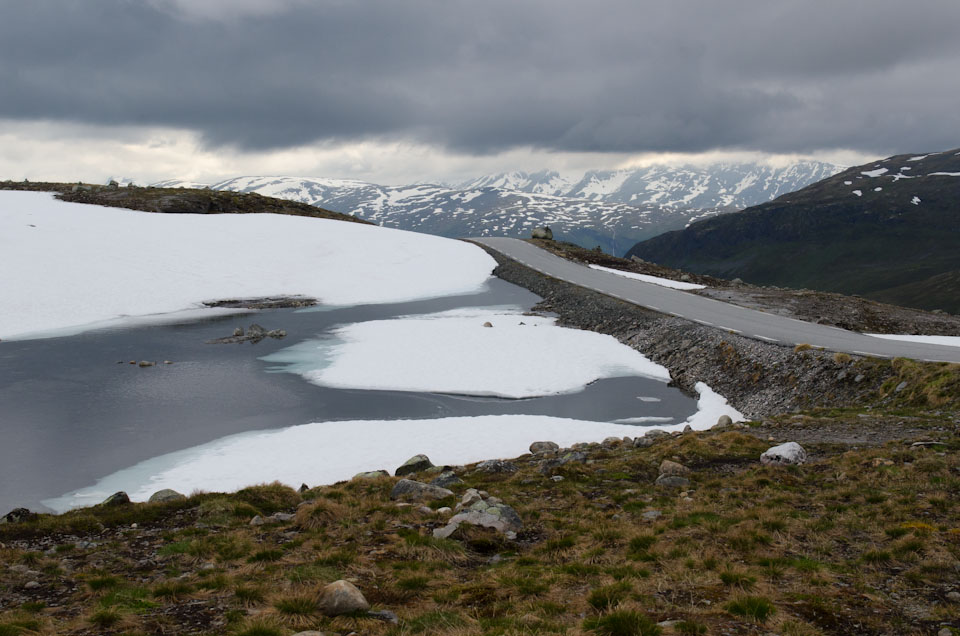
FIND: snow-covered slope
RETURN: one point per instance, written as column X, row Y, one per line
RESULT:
column 613, row 209
column 719, row 185
column 101, row 264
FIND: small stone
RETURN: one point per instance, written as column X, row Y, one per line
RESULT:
column 651, row 515
column 946, row 631
column 497, row 466
column 18, row 515
column 900, row 387
column 409, row 489
column 304, row 488
column 953, row 597
column 557, row 478
column 672, row 481
column 342, row 597
column 384, row 615
column 724, row 420
column 238, row 332
column 859, row 378
column 116, row 499
column 146, row 363
column 168, row 362
column 444, row 511
column 538, row 448
column 372, row 474
column 162, row 496
column 446, row 479
column 257, row 521
column 668, row 467
column 414, row 465
column 424, row 510
column 789, row 453
column 487, row 324
column 282, row 516
column 611, row 442
column 31, row 585
column 687, row 429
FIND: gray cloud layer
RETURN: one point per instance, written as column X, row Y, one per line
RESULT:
column 610, row 75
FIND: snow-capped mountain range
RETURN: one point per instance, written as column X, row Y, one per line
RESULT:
column 612, row 209
column 719, row 185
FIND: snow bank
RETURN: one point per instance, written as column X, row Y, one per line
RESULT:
column 949, row 341
column 67, row 265
column 453, row 352
column 656, row 280
column 326, row 452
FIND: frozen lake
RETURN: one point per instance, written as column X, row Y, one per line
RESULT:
column 73, row 410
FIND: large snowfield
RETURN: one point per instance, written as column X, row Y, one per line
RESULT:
column 453, row 352
column 70, row 266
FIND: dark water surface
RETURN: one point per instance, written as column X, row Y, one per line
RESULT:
column 70, row 414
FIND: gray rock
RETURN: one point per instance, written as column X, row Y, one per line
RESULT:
column 495, row 466
column 238, row 332
column 162, row 496
column 549, row 465
column 418, row 491
column 611, row 442
column 146, row 363
column 414, row 465
column 672, row 482
column 446, row 479
column 542, row 233
column 384, row 615
column 277, row 333
column 256, row 331
column 789, row 453
column 478, row 509
column 257, row 521
column 488, row 324
column 342, row 597
column 900, row 387
column 651, row 515
column 31, row 585
column 116, row 499
column 953, row 597
column 372, row 474
column 724, row 420
column 859, row 378
column 18, row 515
column 543, row 447
column 668, row 467
column 282, row 516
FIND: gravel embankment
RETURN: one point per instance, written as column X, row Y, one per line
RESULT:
column 757, row 378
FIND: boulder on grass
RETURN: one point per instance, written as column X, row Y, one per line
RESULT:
column 784, row 454
column 479, row 509
column 407, row 489
column 116, row 499
column 162, row 496
column 342, row 597
column 542, row 233
column 543, row 447
column 414, row 465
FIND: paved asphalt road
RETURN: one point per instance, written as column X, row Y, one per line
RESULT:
column 713, row 313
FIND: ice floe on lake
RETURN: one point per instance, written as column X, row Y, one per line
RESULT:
column 517, row 356
column 326, row 452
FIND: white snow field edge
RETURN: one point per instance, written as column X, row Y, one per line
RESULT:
column 949, row 341
column 453, row 352
column 327, row 452
column 656, row 280
column 69, row 266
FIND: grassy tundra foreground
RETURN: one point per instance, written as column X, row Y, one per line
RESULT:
column 864, row 538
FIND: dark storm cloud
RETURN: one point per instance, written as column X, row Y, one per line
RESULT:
column 617, row 75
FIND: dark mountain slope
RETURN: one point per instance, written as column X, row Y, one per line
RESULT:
column 888, row 230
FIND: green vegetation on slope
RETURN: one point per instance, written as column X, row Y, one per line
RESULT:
column 898, row 244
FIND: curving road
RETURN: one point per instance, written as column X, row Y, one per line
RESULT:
column 713, row 313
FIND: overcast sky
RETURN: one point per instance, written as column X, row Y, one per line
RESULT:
column 396, row 91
